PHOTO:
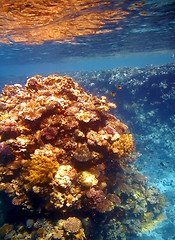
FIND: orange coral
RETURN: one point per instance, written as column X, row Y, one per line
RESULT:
column 124, row 145
column 41, row 169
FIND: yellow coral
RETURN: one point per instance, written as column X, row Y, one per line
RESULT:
column 138, row 195
column 64, row 176
column 124, row 145
column 41, row 169
column 57, row 199
column 84, row 116
column 151, row 224
column 148, row 216
column 80, row 235
column 88, row 179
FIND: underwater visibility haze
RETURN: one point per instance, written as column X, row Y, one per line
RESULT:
column 87, row 120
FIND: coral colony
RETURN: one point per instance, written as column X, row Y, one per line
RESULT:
column 66, row 164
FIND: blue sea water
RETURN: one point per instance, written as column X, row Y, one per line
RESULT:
column 140, row 58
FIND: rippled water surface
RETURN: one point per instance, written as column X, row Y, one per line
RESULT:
column 48, row 31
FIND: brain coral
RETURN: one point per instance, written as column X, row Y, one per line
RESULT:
column 72, row 225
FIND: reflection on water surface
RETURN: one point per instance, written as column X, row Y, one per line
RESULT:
column 42, row 20
column 50, row 30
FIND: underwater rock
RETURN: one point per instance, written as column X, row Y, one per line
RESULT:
column 72, row 160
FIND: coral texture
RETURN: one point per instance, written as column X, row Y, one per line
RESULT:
column 64, row 156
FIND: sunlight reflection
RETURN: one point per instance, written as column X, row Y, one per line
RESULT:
column 36, row 21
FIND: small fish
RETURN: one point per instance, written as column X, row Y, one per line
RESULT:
column 162, row 164
column 113, row 94
column 119, row 87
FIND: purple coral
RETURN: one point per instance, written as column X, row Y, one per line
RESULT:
column 100, row 200
column 6, row 154
column 97, row 196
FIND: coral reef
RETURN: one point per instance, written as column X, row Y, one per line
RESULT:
column 67, row 163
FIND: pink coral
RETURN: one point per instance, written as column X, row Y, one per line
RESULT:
column 96, row 195
column 100, row 200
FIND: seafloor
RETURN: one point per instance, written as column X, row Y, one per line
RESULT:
column 145, row 98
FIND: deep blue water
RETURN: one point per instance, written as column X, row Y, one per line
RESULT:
column 140, row 58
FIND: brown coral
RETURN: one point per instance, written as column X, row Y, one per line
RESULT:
column 82, row 154
column 72, row 225
column 49, row 133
